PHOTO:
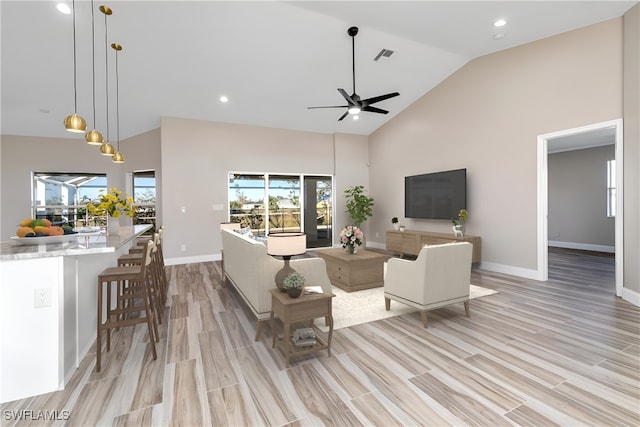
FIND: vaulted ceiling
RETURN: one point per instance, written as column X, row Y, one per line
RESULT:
column 271, row 59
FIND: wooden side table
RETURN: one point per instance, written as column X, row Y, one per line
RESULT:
column 291, row 310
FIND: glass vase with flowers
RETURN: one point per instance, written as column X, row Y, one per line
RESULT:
column 112, row 204
column 351, row 238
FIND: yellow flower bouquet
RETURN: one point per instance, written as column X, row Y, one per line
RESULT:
column 112, row 203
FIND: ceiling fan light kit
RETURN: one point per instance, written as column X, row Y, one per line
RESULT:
column 355, row 105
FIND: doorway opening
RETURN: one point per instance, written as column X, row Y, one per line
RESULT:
column 567, row 137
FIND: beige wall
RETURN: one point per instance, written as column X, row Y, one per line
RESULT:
column 22, row 155
column 352, row 168
column 486, row 117
column 577, row 199
column 632, row 150
column 198, row 155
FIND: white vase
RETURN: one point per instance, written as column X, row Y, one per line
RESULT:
column 113, row 226
column 396, row 226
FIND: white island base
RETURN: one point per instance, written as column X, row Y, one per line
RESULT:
column 48, row 311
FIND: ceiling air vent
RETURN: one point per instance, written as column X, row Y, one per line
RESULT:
column 384, row 52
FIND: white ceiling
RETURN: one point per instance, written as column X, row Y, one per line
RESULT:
column 590, row 139
column 272, row 59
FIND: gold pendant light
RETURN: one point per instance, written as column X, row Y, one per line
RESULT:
column 75, row 123
column 93, row 137
column 117, row 157
column 106, row 149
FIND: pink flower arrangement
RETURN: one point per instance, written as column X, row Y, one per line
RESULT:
column 351, row 236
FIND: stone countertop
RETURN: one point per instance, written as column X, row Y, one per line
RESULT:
column 81, row 245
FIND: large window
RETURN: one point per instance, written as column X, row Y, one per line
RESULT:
column 61, row 197
column 283, row 203
column 144, row 198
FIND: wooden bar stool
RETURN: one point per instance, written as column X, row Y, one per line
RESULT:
column 136, row 298
column 137, row 248
column 159, row 273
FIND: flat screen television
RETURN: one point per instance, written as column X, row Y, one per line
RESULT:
column 438, row 195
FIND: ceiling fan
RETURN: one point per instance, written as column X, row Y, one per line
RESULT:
column 354, row 104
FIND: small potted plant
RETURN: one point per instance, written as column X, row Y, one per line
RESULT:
column 293, row 284
column 458, row 227
column 396, row 224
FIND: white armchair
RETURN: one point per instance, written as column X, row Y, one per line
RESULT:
column 439, row 276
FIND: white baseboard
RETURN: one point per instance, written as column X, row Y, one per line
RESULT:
column 631, row 296
column 376, row 245
column 192, row 259
column 509, row 269
column 582, row 246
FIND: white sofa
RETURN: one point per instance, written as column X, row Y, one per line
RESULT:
column 439, row 276
column 252, row 271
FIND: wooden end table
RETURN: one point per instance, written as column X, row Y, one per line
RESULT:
column 291, row 310
column 362, row 270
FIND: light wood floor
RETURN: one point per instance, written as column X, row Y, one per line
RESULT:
column 562, row 352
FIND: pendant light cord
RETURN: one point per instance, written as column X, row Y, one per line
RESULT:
column 117, row 103
column 93, row 61
column 106, row 68
column 75, row 77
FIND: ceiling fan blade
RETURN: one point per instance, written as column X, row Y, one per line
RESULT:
column 374, row 110
column 375, row 99
column 346, row 113
column 346, row 96
column 330, row 106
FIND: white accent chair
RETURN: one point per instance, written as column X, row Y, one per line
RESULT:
column 439, row 276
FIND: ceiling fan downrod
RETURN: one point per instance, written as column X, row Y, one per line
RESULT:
column 353, row 32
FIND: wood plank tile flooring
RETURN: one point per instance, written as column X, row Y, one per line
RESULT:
column 563, row 352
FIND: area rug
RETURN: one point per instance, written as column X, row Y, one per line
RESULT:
column 355, row 308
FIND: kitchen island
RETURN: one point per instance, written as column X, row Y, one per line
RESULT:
column 48, row 308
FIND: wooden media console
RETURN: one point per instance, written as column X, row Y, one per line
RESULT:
column 409, row 242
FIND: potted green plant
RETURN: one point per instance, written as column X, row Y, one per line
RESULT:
column 458, row 225
column 396, row 224
column 293, row 284
column 359, row 205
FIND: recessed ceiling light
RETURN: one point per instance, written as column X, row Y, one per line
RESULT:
column 356, row 117
column 498, row 36
column 500, row 23
column 63, row 8
column 224, row 99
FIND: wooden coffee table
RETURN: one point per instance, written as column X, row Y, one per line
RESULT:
column 362, row 270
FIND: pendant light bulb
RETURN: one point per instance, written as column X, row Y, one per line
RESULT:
column 93, row 137
column 75, row 123
column 107, row 149
column 118, row 157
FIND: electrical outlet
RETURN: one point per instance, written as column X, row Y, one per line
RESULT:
column 377, row 235
column 42, row 297
column 183, row 247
